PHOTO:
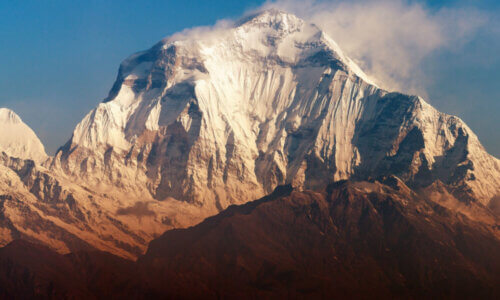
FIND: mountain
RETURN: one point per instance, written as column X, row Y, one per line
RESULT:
column 208, row 118
column 38, row 206
column 17, row 139
column 361, row 239
column 33, row 271
column 41, row 206
column 224, row 116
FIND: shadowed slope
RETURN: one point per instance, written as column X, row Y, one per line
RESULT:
column 356, row 239
column 32, row 271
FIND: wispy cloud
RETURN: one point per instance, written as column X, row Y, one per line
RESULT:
column 389, row 39
column 206, row 33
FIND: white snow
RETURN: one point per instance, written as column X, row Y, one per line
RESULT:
column 17, row 139
column 255, row 83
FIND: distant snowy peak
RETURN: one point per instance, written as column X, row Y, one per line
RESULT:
column 7, row 116
column 17, row 139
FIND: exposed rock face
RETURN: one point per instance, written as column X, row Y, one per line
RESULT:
column 224, row 117
column 37, row 206
column 356, row 240
column 17, row 139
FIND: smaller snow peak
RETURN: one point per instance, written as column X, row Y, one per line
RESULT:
column 8, row 116
column 17, row 139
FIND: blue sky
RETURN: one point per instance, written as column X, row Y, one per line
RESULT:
column 58, row 59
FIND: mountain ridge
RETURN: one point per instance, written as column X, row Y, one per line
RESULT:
column 354, row 239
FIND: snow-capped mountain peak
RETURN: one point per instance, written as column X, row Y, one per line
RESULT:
column 213, row 115
column 296, row 38
column 8, row 116
column 17, row 139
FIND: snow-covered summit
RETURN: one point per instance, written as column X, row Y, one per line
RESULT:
column 223, row 115
column 269, row 37
column 8, row 116
column 17, row 139
column 296, row 35
column 272, row 17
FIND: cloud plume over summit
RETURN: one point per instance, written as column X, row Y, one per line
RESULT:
column 389, row 39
